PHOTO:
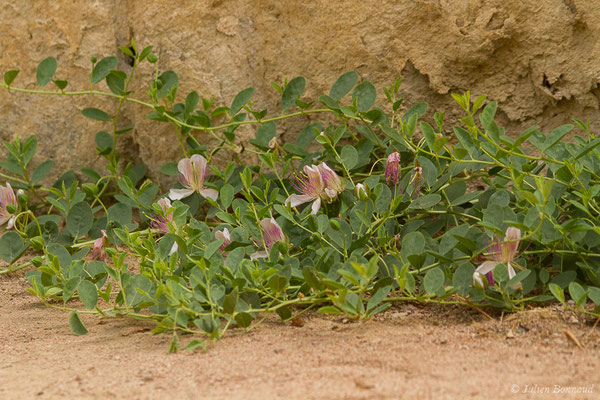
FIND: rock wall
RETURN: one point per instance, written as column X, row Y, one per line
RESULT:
column 537, row 58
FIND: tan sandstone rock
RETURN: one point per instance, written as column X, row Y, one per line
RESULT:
column 538, row 59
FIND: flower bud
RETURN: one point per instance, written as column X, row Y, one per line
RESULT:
column 362, row 192
column 273, row 142
column 90, row 189
column 335, row 225
column 152, row 58
column 37, row 243
column 23, row 198
column 11, row 208
column 37, row 261
column 94, row 59
column 322, row 138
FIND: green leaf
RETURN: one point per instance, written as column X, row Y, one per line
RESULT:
column 463, row 278
column 169, row 169
column 577, row 292
column 434, row 280
column 594, row 294
column 169, row 79
column 364, row 95
column 80, row 219
column 103, row 68
column 378, row 297
column 191, row 101
column 292, row 92
column 343, row 85
column 212, row 248
column 119, row 212
column 329, row 310
column 418, row 109
column 96, row 114
column 243, row 319
column 426, row 202
column 76, row 324
column 46, row 70
column 88, row 293
column 226, row 195
column 557, row 292
column 104, row 140
column 11, row 247
column 349, row 156
column 60, row 84
column 41, row 171
column 465, row 139
column 9, row 76
column 230, row 301
column 556, row 135
column 70, row 288
column 283, row 212
column 115, row 82
column 413, row 243
column 240, row 100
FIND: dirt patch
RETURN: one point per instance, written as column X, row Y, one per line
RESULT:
column 409, row 352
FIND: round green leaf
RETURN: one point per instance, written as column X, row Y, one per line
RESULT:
column 226, row 195
column 292, row 92
column 88, row 294
column 41, row 171
column 46, row 70
column 104, row 140
column 103, row 67
column 11, row 247
column 169, row 169
column 365, row 95
column 343, row 85
column 241, row 100
column 463, row 278
column 96, row 114
column 349, row 156
column 434, row 280
column 243, row 319
column 9, row 76
column 76, row 324
column 168, row 80
column 80, row 219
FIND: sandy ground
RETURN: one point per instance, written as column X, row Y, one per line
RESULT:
column 410, row 352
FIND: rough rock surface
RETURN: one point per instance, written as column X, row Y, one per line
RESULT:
column 536, row 58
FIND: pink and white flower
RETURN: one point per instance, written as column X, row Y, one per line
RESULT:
column 502, row 252
column 225, row 237
column 319, row 182
column 392, row 168
column 272, row 234
column 98, row 252
column 7, row 197
column 192, row 174
column 333, row 183
column 161, row 223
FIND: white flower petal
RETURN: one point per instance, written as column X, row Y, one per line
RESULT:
column 184, row 166
column 297, row 199
column 178, row 194
column 11, row 222
column 478, row 280
column 258, row 254
column 486, row 267
column 332, row 194
column 199, row 163
column 173, row 248
column 210, row 194
column 315, row 206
